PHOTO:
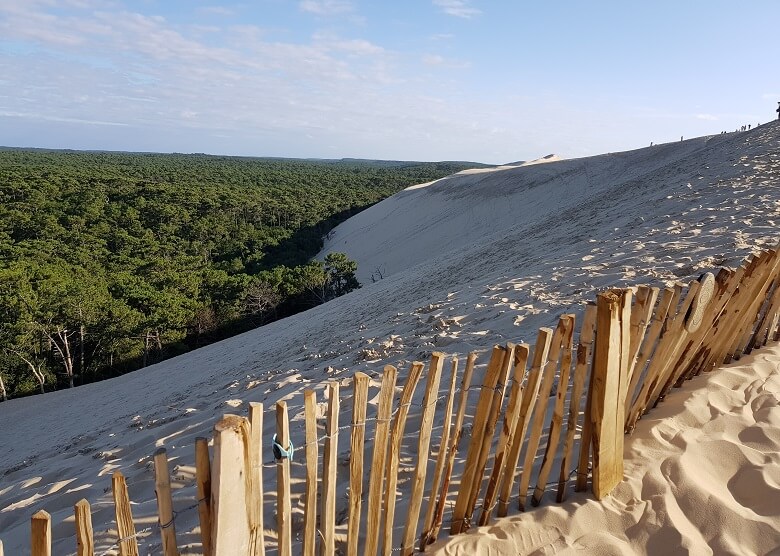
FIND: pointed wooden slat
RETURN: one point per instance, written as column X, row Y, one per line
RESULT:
column 162, row 490
column 256, row 534
column 394, row 456
column 423, row 445
column 379, row 459
column 357, row 441
column 124, row 516
column 540, row 409
column 329, row 463
column 520, row 362
column 580, row 374
column 40, row 533
column 469, row 475
column 203, row 485
column 85, row 545
column 490, row 425
column 752, row 312
column 312, row 443
column 556, row 421
column 640, row 321
column 544, row 340
column 231, row 486
column 452, row 452
column 441, row 458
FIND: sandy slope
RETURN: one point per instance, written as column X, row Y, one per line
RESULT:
column 470, row 261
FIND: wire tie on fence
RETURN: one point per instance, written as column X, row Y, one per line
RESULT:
column 281, row 453
column 165, row 526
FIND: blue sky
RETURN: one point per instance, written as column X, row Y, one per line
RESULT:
column 472, row 80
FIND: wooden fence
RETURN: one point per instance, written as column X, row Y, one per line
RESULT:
column 548, row 417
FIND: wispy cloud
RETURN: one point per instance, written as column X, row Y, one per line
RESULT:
column 458, row 8
column 708, row 117
column 437, row 60
column 216, row 10
column 326, row 7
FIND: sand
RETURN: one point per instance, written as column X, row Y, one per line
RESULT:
column 459, row 265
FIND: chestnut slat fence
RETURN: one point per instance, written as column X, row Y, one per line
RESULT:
column 548, row 417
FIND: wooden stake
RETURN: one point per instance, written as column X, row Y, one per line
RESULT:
column 203, row 482
column 440, row 458
column 283, row 503
column 85, row 545
column 423, row 445
column 452, row 451
column 310, row 509
column 1, row 549
column 606, row 415
column 575, row 402
column 529, row 394
column 565, row 325
column 469, row 477
column 128, row 544
column 231, row 487
column 379, row 458
column 329, row 463
column 556, row 421
column 256, row 529
column 357, row 441
column 41, row 533
column 393, row 458
column 162, row 490
column 505, row 437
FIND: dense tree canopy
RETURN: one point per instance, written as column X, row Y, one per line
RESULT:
column 111, row 261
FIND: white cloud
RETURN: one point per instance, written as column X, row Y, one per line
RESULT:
column 457, row 8
column 216, row 10
column 436, row 60
column 708, row 117
column 326, row 7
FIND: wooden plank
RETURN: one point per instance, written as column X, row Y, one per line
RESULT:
column 765, row 325
column 2, row 552
column 751, row 315
column 586, row 438
column 125, row 529
column 578, row 384
column 85, row 544
column 41, row 533
column 520, row 361
column 565, row 324
column 641, row 314
column 231, row 486
column 357, row 441
column 469, row 476
column 452, row 451
column 283, row 503
column 607, row 416
column 556, row 421
column 394, row 456
column 329, row 463
column 203, row 485
column 256, row 532
column 379, row 458
column 423, row 445
column 490, row 426
column 310, row 508
column 441, row 457
column 544, row 340
column 162, row 491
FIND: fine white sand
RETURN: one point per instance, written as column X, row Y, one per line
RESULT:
column 466, row 262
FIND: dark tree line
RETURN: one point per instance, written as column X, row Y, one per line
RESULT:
column 113, row 261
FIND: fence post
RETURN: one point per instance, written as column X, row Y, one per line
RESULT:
column 41, row 533
column 440, row 458
column 85, row 545
column 256, row 535
column 607, row 408
column 128, row 544
column 423, row 445
column 203, row 482
column 356, row 444
column 329, row 463
column 379, row 458
column 230, row 486
column 162, row 489
column 283, row 504
column 394, row 456
column 452, row 451
column 310, row 509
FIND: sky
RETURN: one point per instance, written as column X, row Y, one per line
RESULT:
column 477, row 80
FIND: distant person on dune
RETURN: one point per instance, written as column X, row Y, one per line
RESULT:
column 778, row 110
